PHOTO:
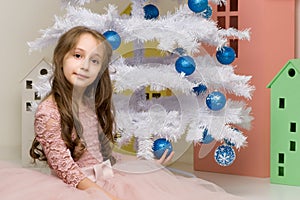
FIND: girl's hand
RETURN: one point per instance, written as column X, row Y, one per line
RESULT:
column 164, row 160
column 86, row 184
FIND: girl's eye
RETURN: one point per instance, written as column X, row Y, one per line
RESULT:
column 77, row 55
column 95, row 61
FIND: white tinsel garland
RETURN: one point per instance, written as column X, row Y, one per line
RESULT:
column 137, row 8
column 75, row 16
column 65, row 3
column 214, row 121
column 190, row 113
column 145, row 148
column 218, row 130
column 189, row 35
column 221, row 77
column 158, row 79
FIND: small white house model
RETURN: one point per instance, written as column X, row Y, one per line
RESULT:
column 30, row 98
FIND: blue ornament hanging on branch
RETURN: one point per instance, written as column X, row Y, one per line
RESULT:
column 200, row 89
column 113, row 38
column 215, row 100
column 227, row 141
column 207, row 13
column 179, row 51
column 185, row 64
column 224, row 155
column 206, row 138
column 197, row 6
column 160, row 146
column 151, row 11
column 226, row 55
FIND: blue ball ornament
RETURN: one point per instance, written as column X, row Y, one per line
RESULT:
column 226, row 55
column 160, row 146
column 206, row 138
column 151, row 11
column 197, row 6
column 113, row 38
column 207, row 13
column 200, row 89
column 185, row 64
column 215, row 100
column 224, row 155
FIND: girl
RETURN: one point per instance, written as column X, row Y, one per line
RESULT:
column 74, row 128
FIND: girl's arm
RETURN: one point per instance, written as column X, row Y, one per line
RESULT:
column 48, row 133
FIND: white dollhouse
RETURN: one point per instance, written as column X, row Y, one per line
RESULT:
column 30, row 98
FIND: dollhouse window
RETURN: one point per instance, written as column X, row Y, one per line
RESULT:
column 233, row 5
column 221, row 20
column 156, row 95
column 292, row 146
column 233, row 22
column 28, row 106
column 43, row 72
column 37, row 96
column 291, row 72
column 28, row 84
column 280, row 171
column 282, row 103
column 280, row 158
column 147, row 96
column 221, row 7
column 293, row 127
column 234, row 43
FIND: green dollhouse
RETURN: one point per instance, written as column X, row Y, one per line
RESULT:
column 285, row 125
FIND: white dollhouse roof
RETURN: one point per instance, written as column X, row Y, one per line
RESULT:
column 33, row 73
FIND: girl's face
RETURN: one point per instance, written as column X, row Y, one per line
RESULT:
column 82, row 64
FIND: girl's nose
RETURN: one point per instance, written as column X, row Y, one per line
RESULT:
column 84, row 65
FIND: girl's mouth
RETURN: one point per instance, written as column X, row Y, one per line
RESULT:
column 81, row 76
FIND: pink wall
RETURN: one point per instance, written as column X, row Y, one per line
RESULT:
column 272, row 44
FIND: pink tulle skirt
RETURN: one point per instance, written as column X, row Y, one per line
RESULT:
column 134, row 180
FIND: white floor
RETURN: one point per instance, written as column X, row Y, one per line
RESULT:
column 250, row 188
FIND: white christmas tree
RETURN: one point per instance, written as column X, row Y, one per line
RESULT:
column 199, row 108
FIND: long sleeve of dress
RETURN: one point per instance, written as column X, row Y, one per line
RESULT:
column 48, row 133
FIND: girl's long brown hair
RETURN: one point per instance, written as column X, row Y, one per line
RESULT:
column 100, row 90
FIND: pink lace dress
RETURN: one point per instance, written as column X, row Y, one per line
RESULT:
column 128, row 179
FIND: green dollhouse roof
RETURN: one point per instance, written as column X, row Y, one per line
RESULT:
column 294, row 62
